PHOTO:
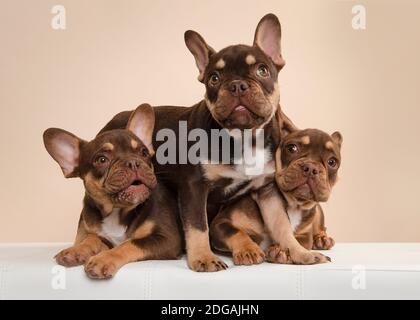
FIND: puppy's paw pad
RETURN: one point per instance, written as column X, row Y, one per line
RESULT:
column 323, row 242
column 320, row 258
column 74, row 256
column 100, row 268
column 309, row 257
column 276, row 254
column 248, row 256
column 207, row 264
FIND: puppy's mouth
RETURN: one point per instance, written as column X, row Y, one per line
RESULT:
column 302, row 188
column 135, row 193
column 304, row 192
column 240, row 108
column 310, row 191
column 241, row 117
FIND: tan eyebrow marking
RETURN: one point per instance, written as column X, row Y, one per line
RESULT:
column 329, row 145
column 306, row 140
column 134, row 143
column 220, row 64
column 250, row 59
column 108, row 146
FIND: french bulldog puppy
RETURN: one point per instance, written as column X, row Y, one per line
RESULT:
column 127, row 214
column 241, row 93
column 309, row 163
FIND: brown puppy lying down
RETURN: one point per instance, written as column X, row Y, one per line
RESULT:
column 127, row 214
column 309, row 163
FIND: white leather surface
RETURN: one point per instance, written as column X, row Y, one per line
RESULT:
column 358, row 271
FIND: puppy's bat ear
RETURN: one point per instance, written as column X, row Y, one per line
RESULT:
column 64, row 147
column 337, row 138
column 267, row 38
column 142, row 123
column 200, row 50
column 285, row 126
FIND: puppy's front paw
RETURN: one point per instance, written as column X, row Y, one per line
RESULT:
column 308, row 257
column 276, row 254
column 74, row 256
column 323, row 242
column 248, row 255
column 206, row 263
column 101, row 266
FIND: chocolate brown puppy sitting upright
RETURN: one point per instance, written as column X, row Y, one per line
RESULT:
column 127, row 215
column 309, row 162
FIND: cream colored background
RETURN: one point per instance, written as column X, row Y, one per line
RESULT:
column 115, row 55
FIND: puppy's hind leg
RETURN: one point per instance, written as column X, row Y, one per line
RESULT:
column 230, row 232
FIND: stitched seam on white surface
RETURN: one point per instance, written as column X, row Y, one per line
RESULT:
column 3, row 270
column 302, row 282
column 1, row 283
column 297, row 279
column 145, row 285
column 152, row 269
column 147, row 288
column 148, row 283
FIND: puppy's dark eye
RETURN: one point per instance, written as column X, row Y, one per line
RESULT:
column 101, row 160
column 262, row 71
column 332, row 162
column 214, row 79
column 292, row 148
column 144, row 152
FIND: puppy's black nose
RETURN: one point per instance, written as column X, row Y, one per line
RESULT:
column 238, row 87
column 133, row 164
column 309, row 170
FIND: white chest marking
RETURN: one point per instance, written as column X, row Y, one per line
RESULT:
column 256, row 181
column 238, row 173
column 112, row 230
column 295, row 217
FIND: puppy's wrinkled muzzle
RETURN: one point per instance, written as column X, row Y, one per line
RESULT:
column 242, row 105
column 305, row 181
column 131, row 182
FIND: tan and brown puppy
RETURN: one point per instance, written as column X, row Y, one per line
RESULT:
column 127, row 215
column 309, row 163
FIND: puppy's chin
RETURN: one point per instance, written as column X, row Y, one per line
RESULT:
column 134, row 191
column 127, row 197
column 303, row 191
column 242, row 113
column 132, row 195
column 242, row 118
